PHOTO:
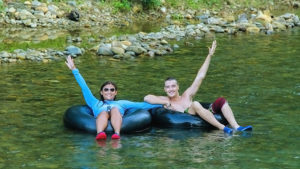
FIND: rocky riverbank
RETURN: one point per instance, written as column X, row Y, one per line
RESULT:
column 36, row 15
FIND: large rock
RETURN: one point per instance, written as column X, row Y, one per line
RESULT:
column 252, row 29
column 24, row 14
column 136, row 49
column 5, row 54
column 278, row 25
column 74, row 15
column 27, row 3
column 105, row 50
column 264, row 17
column 43, row 7
column 11, row 10
column 118, row 50
column 126, row 43
column 242, row 18
column 118, row 44
column 53, row 9
column 36, row 3
column 73, row 50
column 215, row 21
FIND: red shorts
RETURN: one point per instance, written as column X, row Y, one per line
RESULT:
column 218, row 104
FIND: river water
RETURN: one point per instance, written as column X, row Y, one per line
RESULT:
column 258, row 74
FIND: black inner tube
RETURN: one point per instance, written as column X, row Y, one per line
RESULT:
column 81, row 118
column 162, row 117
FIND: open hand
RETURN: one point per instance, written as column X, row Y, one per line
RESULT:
column 212, row 48
column 70, row 63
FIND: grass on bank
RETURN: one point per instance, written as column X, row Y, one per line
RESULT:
column 57, row 44
column 128, row 5
column 1, row 6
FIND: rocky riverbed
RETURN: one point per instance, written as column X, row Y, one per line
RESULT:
column 37, row 16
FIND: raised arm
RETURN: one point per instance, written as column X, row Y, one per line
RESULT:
column 87, row 94
column 192, row 90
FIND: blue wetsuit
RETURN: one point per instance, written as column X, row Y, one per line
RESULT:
column 99, row 106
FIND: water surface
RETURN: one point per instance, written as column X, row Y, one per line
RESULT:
column 258, row 74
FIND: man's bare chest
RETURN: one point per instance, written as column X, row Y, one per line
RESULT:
column 180, row 105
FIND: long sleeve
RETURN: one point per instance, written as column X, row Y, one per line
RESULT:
column 89, row 98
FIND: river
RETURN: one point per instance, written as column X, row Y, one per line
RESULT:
column 258, row 74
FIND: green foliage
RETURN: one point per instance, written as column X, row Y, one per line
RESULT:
column 211, row 2
column 177, row 16
column 193, row 4
column 147, row 4
column 173, row 3
column 1, row 6
column 257, row 3
column 197, row 4
column 56, row 1
column 121, row 5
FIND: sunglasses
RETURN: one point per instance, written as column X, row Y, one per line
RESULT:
column 107, row 89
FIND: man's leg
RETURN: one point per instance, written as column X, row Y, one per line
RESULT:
column 222, row 106
column 196, row 108
column 228, row 114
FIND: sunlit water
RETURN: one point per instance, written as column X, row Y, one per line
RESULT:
column 258, row 74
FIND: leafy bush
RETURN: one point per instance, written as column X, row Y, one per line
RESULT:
column 121, row 5
column 147, row 4
column 1, row 6
column 177, row 16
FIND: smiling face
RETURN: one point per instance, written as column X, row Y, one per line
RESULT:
column 108, row 92
column 171, row 88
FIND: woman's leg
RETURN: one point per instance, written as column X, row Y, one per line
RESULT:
column 196, row 108
column 116, row 120
column 101, row 121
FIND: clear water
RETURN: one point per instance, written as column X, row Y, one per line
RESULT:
column 258, row 74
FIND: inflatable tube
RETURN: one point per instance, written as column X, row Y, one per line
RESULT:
column 81, row 118
column 162, row 117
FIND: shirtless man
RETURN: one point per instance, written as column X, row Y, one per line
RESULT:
column 185, row 103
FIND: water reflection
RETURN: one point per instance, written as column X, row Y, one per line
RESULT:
column 115, row 144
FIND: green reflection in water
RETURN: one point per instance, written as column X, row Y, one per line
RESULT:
column 258, row 74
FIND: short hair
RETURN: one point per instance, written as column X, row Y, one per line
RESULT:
column 171, row 78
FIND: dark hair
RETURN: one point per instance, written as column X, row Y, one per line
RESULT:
column 171, row 78
column 104, row 84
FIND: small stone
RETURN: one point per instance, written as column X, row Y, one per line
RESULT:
column 164, row 42
column 253, row 29
column 27, row 3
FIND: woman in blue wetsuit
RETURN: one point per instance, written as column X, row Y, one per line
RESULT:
column 107, row 107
